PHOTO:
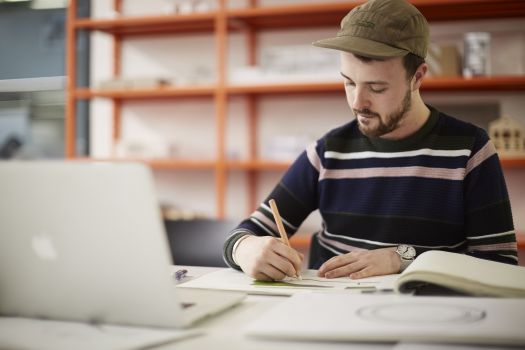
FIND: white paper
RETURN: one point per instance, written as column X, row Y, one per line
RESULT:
column 230, row 279
column 379, row 317
column 429, row 346
column 28, row 334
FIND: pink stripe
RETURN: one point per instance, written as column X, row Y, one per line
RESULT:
column 261, row 217
column 339, row 245
column 491, row 247
column 483, row 154
column 415, row 171
column 313, row 157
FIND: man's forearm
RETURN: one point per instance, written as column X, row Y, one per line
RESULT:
column 227, row 252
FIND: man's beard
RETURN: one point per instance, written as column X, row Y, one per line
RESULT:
column 392, row 120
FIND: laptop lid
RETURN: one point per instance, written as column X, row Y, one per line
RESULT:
column 86, row 242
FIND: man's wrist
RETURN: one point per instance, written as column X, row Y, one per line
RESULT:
column 407, row 254
column 236, row 246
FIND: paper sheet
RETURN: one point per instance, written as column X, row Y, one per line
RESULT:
column 429, row 346
column 230, row 279
column 28, row 334
column 393, row 317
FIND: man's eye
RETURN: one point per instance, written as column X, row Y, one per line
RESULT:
column 378, row 91
column 349, row 83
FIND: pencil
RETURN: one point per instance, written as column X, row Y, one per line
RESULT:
column 280, row 227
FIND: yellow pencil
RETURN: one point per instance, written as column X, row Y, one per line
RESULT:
column 280, row 227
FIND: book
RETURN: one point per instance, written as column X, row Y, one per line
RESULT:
column 436, row 272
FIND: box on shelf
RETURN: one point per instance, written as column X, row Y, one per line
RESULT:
column 285, row 64
column 443, row 60
column 188, row 6
column 508, row 136
column 508, row 53
column 144, row 149
column 298, row 59
column 173, row 212
column 133, row 83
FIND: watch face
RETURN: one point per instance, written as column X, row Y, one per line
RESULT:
column 406, row 252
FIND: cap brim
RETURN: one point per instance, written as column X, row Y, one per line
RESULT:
column 360, row 46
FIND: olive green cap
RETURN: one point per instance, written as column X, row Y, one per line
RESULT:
column 381, row 29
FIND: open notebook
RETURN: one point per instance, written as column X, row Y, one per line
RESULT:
column 86, row 242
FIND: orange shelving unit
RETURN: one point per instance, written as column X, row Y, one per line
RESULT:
column 250, row 21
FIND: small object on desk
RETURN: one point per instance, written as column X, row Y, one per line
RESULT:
column 180, row 274
column 280, row 227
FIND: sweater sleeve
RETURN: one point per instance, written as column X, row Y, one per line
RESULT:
column 296, row 196
column 488, row 218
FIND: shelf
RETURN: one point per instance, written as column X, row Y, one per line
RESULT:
column 495, row 83
column 513, row 163
column 290, row 16
column 168, row 24
column 330, row 14
column 520, row 238
column 259, row 165
column 161, row 92
column 280, row 88
column 159, row 164
column 506, row 83
column 181, row 164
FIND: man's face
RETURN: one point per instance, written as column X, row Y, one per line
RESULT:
column 377, row 92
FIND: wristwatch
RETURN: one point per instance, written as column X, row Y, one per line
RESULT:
column 407, row 253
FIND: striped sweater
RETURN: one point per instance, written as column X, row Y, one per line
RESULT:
column 440, row 188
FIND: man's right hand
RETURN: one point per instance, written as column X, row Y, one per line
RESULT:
column 268, row 258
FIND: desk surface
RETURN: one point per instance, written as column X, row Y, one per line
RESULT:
column 223, row 331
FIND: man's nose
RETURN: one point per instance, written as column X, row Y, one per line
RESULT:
column 360, row 99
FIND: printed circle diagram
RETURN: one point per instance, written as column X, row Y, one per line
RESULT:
column 421, row 313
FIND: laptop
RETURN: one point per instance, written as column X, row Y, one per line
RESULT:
column 85, row 241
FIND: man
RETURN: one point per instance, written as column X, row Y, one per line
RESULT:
column 400, row 179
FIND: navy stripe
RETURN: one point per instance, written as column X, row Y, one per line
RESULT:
column 435, row 199
column 426, row 161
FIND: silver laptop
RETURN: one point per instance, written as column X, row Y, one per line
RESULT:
column 86, row 242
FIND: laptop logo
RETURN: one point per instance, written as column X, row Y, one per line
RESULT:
column 44, row 248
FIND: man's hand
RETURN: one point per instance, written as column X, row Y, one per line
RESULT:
column 360, row 264
column 267, row 258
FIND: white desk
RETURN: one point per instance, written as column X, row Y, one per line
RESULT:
column 223, row 331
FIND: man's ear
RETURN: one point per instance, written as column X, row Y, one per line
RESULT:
column 420, row 73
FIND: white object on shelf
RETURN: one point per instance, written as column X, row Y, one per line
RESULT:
column 144, row 149
column 204, row 5
column 476, row 54
column 298, row 59
column 285, row 64
column 134, row 83
column 255, row 75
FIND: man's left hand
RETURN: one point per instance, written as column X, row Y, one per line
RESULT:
column 363, row 263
